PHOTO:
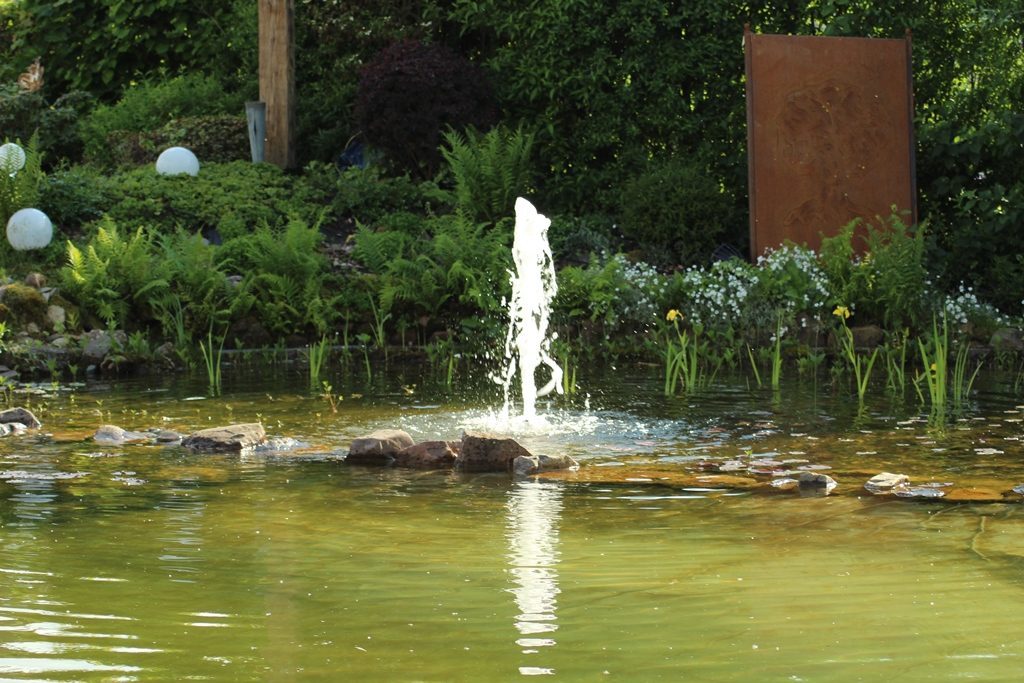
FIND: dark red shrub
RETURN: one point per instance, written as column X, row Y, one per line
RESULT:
column 410, row 93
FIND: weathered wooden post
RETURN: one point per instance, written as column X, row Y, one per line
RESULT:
column 277, row 79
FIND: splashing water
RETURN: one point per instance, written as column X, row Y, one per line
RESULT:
column 527, row 345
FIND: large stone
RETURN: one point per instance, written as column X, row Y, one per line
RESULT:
column 232, row 438
column 98, row 343
column 1007, row 339
column 20, row 416
column 885, row 481
column 429, row 455
column 487, row 453
column 815, row 481
column 378, row 448
column 867, row 336
column 114, row 435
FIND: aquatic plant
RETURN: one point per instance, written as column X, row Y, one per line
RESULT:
column 212, row 359
column 316, row 355
column 896, row 362
column 686, row 366
column 858, row 363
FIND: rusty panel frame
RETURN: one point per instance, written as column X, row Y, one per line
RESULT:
column 829, row 132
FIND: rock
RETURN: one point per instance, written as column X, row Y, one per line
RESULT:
column 167, row 436
column 37, row 280
column 918, row 492
column 378, row 448
column 1007, row 339
column 232, row 438
column 56, row 317
column 785, row 484
column 96, row 344
column 867, row 336
column 111, row 434
column 487, row 453
column 20, row 415
column 884, row 482
column 525, row 465
column 1019, row 488
column 5, row 429
column 428, row 455
column 817, row 481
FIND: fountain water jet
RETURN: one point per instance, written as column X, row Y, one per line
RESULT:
column 527, row 345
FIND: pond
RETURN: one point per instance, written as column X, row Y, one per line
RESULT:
column 124, row 563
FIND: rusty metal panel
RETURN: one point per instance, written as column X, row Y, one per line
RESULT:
column 830, row 134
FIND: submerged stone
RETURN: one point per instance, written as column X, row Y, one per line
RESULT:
column 488, row 453
column 884, row 482
column 918, row 492
column 232, row 438
column 111, row 434
column 378, row 448
column 428, row 455
column 527, row 465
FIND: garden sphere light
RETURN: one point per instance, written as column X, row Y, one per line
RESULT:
column 12, row 157
column 29, row 229
column 177, row 160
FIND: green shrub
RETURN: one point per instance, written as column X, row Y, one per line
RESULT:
column 675, row 212
column 115, row 279
column 23, row 114
column 213, row 139
column 233, row 198
column 151, row 105
column 576, row 239
column 490, row 170
column 72, row 197
column 367, row 196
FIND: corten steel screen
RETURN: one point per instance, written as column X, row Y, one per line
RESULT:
column 830, row 135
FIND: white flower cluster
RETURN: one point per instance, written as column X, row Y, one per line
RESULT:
column 718, row 295
column 797, row 272
column 964, row 306
column 647, row 283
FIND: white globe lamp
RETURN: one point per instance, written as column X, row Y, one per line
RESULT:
column 12, row 157
column 177, row 160
column 29, row 229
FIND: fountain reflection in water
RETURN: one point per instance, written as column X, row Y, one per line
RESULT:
column 527, row 345
column 534, row 509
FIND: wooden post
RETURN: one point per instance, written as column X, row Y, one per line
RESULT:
column 277, row 78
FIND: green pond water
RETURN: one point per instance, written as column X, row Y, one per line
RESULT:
column 148, row 563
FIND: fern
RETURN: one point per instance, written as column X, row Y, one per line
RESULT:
column 115, row 278
column 490, row 170
column 20, row 189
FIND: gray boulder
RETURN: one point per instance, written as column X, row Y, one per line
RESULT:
column 378, row 448
column 232, row 438
column 113, row 435
column 97, row 344
column 487, row 453
column 19, row 415
column 816, row 482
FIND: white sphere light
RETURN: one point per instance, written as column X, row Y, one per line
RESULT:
column 177, row 160
column 29, row 229
column 12, row 157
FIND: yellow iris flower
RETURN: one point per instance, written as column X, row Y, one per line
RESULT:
column 673, row 315
column 841, row 312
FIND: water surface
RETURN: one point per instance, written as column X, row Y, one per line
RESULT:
column 154, row 563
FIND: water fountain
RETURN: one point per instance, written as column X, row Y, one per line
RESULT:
column 527, row 345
